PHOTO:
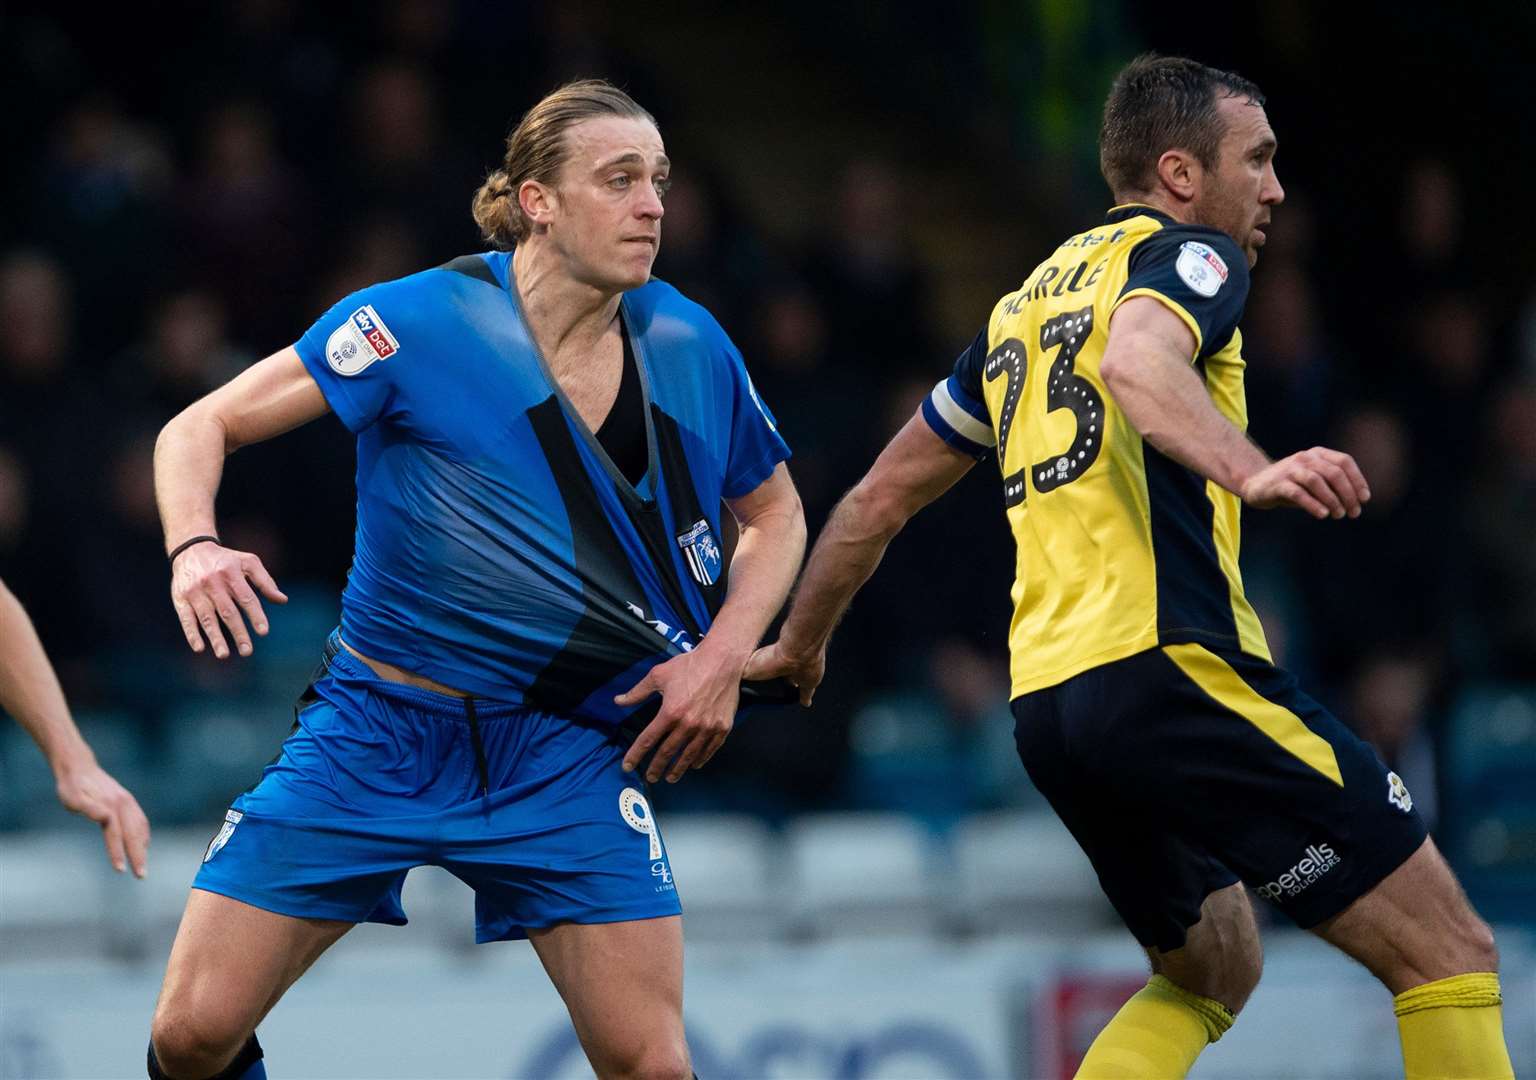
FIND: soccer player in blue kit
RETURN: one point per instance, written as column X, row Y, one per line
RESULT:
column 544, row 439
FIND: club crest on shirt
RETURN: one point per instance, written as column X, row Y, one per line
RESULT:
column 231, row 819
column 1397, row 793
column 1201, row 268
column 701, row 551
column 359, row 342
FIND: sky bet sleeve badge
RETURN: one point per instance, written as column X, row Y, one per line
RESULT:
column 359, row 342
column 1201, row 268
column 702, row 552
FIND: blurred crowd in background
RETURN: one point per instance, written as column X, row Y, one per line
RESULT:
column 169, row 219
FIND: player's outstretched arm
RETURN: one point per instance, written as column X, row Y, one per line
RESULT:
column 1147, row 368
column 29, row 691
column 210, row 583
column 700, row 690
column 915, row 468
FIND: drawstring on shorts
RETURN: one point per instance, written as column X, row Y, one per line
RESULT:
column 479, row 743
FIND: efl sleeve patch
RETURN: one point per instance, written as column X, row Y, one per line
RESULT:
column 361, row 341
column 339, row 349
column 1202, row 269
column 1200, row 273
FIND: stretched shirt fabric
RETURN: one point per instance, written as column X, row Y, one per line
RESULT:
column 498, row 549
column 1119, row 548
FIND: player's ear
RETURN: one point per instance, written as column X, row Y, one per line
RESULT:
column 537, row 201
column 1180, row 174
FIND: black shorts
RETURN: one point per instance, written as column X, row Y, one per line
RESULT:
column 1182, row 770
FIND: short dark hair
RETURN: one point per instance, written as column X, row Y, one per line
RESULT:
column 1156, row 104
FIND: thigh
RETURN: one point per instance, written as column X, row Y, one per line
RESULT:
column 231, row 962
column 1415, row 927
column 623, row 985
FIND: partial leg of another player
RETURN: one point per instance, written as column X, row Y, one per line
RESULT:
column 623, row 985
column 1418, row 934
column 229, row 966
column 1193, row 997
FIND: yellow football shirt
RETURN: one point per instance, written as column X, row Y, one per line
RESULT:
column 1120, row 548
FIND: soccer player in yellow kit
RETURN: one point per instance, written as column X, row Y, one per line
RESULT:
column 1147, row 708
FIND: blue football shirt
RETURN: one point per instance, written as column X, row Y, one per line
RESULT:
column 498, row 549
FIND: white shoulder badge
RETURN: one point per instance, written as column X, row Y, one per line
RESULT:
column 1201, row 268
column 360, row 341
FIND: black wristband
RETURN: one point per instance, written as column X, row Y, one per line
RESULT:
column 179, row 548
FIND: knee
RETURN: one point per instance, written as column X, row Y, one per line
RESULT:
column 1464, row 944
column 1226, row 970
column 1242, row 977
column 1479, row 952
column 188, row 1048
column 1228, row 977
column 655, row 1061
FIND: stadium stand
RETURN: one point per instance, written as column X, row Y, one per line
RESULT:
column 1023, row 872
column 726, row 869
column 1491, row 755
column 863, row 874
column 52, row 900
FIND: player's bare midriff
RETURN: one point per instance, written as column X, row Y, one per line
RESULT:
column 400, row 675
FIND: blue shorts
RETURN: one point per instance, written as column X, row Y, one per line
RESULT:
column 377, row 778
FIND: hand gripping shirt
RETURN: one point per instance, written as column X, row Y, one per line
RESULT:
column 498, row 549
column 1119, row 548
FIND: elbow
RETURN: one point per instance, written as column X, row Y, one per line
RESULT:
column 1116, row 372
column 797, row 529
column 788, row 513
column 781, row 522
column 1127, row 383
column 197, row 421
column 796, row 533
column 1133, row 361
column 879, row 511
column 796, row 536
column 169, row 435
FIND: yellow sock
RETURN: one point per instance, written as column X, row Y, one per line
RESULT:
column 1156, row 1035
column 1453, row 1029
